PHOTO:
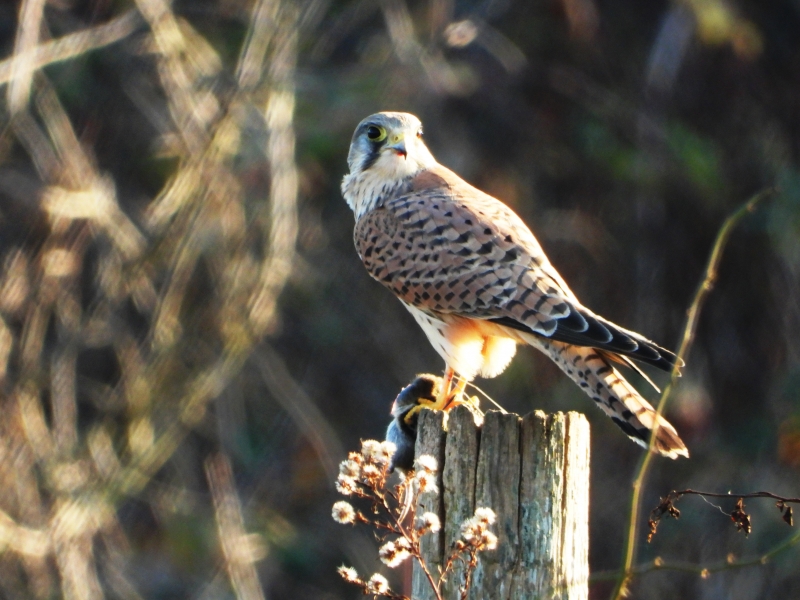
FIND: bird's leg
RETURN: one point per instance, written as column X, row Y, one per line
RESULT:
column 444, row 395
column 455, row 397
column 438, row 401
column 447, row 398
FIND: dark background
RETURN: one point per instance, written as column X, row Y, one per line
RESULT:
column 623, row 133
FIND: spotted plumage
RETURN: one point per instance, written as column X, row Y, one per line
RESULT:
column 477, row 281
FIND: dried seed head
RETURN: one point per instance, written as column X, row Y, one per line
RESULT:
column 470, row 529
column 488, row 540
column 386, row 549
column 343, row 512
column 377, row 584
column 475, row 530
column 486, row 515
column 370, row 450
column 387, row 452
column 394, row 553
column 426, row 463
column 346, row 485
column 349, row 468
column 349, row 574
column 370, row 472
column 426, row 482
column 430, row 522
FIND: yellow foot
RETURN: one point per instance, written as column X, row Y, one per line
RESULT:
column 446, row 397
column 411, row 415
column 450, row 398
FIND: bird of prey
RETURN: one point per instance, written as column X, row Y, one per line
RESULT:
column 477, row 281
column 402, row 431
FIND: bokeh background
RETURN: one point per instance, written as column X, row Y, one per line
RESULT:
column 189, row 343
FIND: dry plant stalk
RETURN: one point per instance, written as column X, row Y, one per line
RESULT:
column 738, row 515
column 393, row 513
column 126, row 287
column 693, row 315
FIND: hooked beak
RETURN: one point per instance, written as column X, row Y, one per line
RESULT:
column 399, row 145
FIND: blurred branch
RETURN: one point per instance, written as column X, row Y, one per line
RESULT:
column 27, row 541
column 401, row 29
column 22, row 68
column 279, row 117
column 239, row 549
column 254, row 50
column 693, row 314
column 730, row 563
column 172, row 351
column 294, row 400
column 182, row 60
column 440, row 73
column 707, row 284
column 73, row 44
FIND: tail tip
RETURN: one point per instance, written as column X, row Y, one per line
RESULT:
column 670, row 446
column 674, row 453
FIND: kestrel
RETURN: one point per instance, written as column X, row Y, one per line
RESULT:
column 478, row 283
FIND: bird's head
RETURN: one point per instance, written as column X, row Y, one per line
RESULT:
column 389, row 145
column 402, row 431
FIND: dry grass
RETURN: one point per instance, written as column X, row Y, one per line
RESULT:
column 139, row 330
column 178, row 296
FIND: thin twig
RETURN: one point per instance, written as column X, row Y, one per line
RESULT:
column 743, row 521
column 300, row 407
column 237, row 548
column 661, row 565
column 677, row 495
column 693, row 315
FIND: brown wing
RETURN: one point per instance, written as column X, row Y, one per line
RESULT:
column 446, row 247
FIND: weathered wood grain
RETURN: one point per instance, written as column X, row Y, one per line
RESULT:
column 458, row 485
column 430, row 440
column 497, row 487
column 575, row 553
column 534, row 473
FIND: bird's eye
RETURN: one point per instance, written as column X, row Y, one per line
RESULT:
column 419, row 133
column 375, row 133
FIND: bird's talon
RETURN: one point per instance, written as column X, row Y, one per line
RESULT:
column 411, row 415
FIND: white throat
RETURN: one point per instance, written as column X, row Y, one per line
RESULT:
column 387, row 176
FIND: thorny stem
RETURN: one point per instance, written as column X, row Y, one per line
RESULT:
column 693, row 315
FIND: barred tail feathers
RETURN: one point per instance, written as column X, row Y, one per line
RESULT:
column 612, row 393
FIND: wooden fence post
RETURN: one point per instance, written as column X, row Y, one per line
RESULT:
column 534, row 473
